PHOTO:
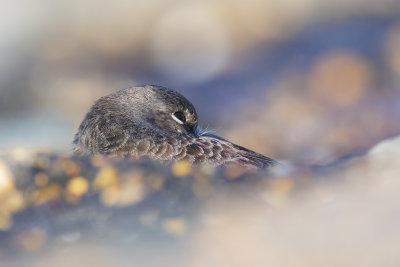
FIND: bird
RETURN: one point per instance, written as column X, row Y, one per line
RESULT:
column 158, row 123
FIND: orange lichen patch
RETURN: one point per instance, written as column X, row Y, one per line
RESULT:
column 106, row 177
column 32, row 240
column 176, row 226
column 41, row 179
column 181, row 168
column 70, row 167
column 233, row 171
column 340, row 78
column 282, row 185
column 154, row 181
column 149, row 217
column 99, row 160
column 71, row 198
column 128, row 192
column 45, row 194
column 276, row 192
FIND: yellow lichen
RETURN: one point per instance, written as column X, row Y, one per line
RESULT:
column 14, row 202
column 45, row 194
column 110, row 195
column 6, row 179
column 181, row 168
column 129, row 192
column 78, row 186
column 106, row 177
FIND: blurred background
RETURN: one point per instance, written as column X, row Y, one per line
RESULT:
column 308, row 80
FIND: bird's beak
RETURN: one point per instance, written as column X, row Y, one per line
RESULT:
column 198, row 131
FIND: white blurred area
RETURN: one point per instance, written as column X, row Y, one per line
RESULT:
column 190, row 43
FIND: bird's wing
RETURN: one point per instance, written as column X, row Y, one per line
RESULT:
column 154, row 146
column 215, row 150
column 109, row 135
column 102, row 135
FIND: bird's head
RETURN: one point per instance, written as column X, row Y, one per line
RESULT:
column 160, row 109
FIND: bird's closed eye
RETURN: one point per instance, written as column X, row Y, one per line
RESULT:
column 179, row 117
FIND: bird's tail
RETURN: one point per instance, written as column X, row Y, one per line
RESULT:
column 247, row 157
column 241, row 155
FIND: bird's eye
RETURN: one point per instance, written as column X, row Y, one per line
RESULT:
column 179, row 117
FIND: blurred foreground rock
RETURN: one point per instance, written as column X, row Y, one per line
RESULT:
column 62, row 211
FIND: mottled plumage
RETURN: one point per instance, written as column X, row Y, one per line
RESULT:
column 158, row 123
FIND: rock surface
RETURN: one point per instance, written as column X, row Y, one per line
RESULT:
column 64, row 211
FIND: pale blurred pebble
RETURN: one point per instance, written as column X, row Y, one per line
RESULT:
column 175, row 59
column 149, row 217
column 78, row 186
column 132, row 190
column 45, row 194
column 42, row 161
column 107, row 176
column 22, row 155
column 70, row 167
column 14, row 201
column 6, row 178
column 41, row 179
column 385, row 152
column 175, row 226
column 71, row 237
column 32, row 240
